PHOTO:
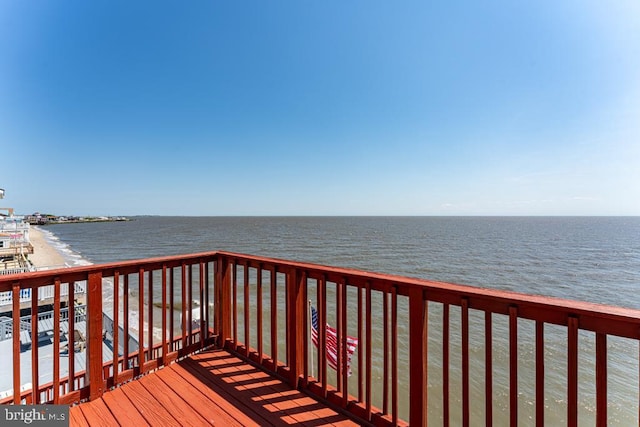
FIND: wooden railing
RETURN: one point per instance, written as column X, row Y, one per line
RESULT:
column 182, row 281
column 413, row 336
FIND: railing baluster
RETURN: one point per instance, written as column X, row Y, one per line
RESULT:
column 322, row 335
column 344, row 356
column 202, row 304
column 70, row 333
column 94, row 334
column 171, row 307
column 539, row 373
column 183, row 308
column 304, row 324
column 601, row 379
column 246, row 310
column 385, row 353
column 116, row 324
column 165, row 345
column 394, row 355
column 274, row 319
column 368, row 350
column 488, row 349
column 445, row 365
column 465, row 361
column 513, row 366
column 207, row 300
column 150, row 315
column 35, row 376
column 56, row 341
column 15, row 305
column 259, row 313
column 235, row 303
column 572, row 372
column 360, row 397
column 141, row 348
column 190, row 304
column 125, row 323
column 339, row 346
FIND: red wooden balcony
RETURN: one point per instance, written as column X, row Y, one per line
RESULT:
column 237, row 346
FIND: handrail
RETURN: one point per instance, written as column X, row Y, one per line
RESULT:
column 393, row 316
column 119, row 279
column 257, row 307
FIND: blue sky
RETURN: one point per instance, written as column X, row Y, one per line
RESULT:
column 320, row 108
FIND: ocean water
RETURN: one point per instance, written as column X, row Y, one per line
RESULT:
column 595, row 259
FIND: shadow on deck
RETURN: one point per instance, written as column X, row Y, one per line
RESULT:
column 211, row 387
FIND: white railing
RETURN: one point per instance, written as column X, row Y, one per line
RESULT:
column 6, row 323
column 16, row 270
column 45, row 292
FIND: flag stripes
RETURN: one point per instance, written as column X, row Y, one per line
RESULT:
column 332, row 343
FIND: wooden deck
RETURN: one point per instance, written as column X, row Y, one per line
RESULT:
column 208, row 388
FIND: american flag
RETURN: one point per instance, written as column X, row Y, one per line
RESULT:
column 332, row 342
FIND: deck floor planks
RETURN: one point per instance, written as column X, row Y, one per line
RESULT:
column 169, row 398
column 76, row 418
column 148, row 406
column 98, row 413
column 210, row 387
column 122, row 409
column 298, row 407
column 230, row 406
column 292, row 406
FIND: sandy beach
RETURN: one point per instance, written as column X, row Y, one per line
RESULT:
column 44, row 255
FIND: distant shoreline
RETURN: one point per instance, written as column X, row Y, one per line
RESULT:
column 78, row 220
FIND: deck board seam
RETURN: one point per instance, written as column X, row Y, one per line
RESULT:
column 296, row 413
column 132, row 391
column 166, row 388
column 258, row 374
column 232, row 400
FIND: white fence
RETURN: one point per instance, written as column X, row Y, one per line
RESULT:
column 44, row 293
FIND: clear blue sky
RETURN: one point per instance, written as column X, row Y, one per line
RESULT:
column 320, row 107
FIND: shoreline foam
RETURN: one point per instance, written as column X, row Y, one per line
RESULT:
column 45, row 255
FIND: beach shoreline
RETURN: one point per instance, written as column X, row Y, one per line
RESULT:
column 44, row 256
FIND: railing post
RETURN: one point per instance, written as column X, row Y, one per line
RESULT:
column 418, row 316
column 296, row 336
column 94, row 335
column 222, row 305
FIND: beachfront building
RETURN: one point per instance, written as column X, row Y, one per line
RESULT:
column 15, row 245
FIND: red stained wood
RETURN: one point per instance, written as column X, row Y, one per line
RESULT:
column 97, row 414
column 601, row 380
column 513, row 366
column 210, row 388
column 488, row 340
column 418, row 318
column 121, row 407
column 35, row 376
column 246, row 307
column 465, row 362
column 56, row 341
column 94, row 334
column 76, row 418
column 445, row 365
column 572, row 372
column 274, row 315
column 539, row 374
column 152, row 410
column 16, row 341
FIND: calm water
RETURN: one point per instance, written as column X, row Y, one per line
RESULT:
column 593, row 259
